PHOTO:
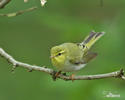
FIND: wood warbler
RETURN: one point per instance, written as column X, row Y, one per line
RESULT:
column 70, row 57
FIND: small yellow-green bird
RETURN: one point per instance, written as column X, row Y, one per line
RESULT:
column 70, row 57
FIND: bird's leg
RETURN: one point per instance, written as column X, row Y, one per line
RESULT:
column 72, row 77
column 56, row 74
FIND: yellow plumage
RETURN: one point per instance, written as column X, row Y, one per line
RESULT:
column 70, row 57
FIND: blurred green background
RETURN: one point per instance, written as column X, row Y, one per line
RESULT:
column 29, row 37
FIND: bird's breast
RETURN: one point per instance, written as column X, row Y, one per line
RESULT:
column 59, row 62
column 72, row 67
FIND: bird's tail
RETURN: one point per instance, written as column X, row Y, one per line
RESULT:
column 91, row 39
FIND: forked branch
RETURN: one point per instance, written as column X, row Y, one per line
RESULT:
column 15, row 63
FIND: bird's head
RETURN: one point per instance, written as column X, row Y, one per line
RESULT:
column 58, row 55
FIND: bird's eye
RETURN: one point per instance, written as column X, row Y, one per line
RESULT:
column 59, row 54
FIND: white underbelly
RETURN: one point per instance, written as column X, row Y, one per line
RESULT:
column 73, row 67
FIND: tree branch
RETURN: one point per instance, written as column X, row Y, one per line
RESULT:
column 19, row 12
column 3, row 3
column 15, row 63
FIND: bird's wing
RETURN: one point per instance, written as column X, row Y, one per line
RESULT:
column 76, row 61
column 89, row 56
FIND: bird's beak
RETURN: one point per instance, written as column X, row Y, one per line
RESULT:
column 52, row 57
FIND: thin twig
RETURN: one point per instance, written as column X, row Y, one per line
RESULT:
column 19, row 12
column 3, row 3
column 101, row 3
column 15, row 63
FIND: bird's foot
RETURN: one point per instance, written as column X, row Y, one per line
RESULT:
column 55, row 75
column 72, row 77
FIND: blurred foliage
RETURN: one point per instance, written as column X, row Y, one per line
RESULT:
column 30, row 36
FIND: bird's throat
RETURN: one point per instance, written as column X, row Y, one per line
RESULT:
column 58, row 62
